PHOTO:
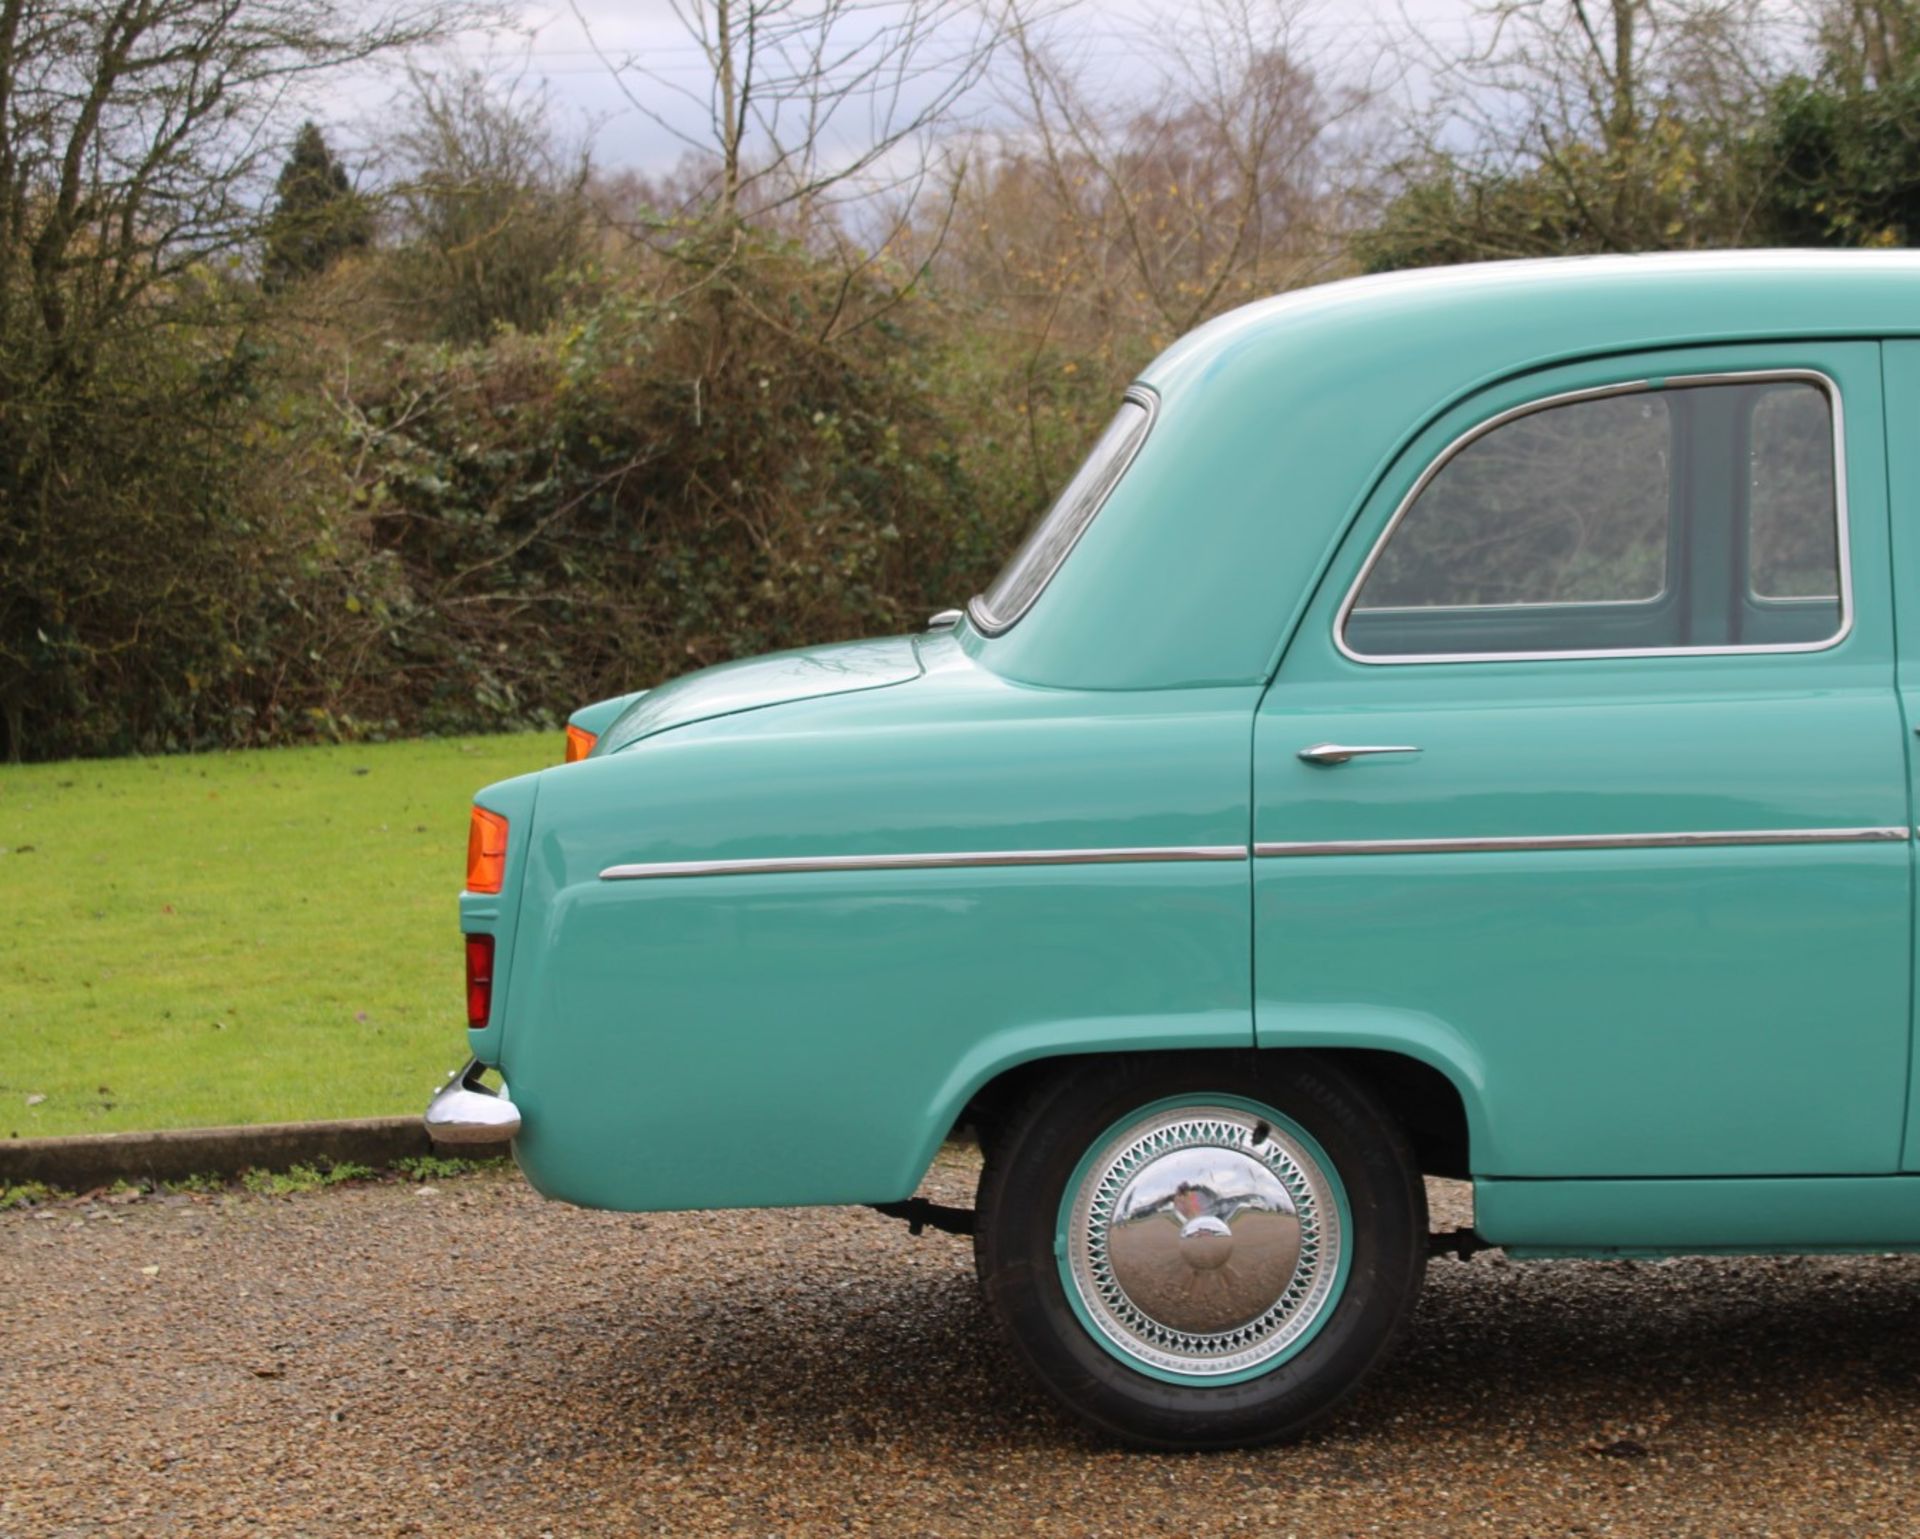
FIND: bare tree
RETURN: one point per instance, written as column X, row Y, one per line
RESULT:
column 136, row 137
column 138, row 141
column 827, row 121
column 490, row 205
column 1210, row 184
column 1113, row 211
column 809, row 97
column 1868, row 43
column 1590, row 125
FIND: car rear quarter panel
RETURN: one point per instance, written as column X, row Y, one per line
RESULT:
column 730, row 1040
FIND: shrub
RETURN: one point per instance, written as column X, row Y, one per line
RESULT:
column 661, row 480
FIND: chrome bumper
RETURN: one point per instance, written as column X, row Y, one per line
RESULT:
column 463, row 1111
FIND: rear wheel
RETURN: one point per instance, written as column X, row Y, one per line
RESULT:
column 1201, row 1252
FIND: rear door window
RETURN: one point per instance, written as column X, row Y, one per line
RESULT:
column 1695, row 517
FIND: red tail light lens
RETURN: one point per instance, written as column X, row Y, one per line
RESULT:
column 486, row 851
column 580, row 743
column 479, row 980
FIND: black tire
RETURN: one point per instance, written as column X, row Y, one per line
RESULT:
column 1036, row 1154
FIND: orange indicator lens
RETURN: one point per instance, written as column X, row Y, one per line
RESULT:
column 486, row 851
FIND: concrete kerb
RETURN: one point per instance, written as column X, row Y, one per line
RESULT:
column 82, row 1163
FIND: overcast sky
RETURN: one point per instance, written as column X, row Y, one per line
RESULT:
column 553, row 47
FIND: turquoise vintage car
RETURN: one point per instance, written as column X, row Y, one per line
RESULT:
column 1454, row 724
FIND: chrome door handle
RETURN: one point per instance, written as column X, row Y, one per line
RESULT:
column 1339, row 753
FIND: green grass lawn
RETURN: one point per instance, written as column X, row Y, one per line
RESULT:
column 236, row 937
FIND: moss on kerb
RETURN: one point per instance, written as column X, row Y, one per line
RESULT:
column 293, row 1181
column 187, row 1154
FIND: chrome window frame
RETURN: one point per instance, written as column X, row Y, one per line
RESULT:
column 1144, row 396
column 1649, row 385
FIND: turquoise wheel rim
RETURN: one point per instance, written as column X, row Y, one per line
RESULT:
column 1204, row 1240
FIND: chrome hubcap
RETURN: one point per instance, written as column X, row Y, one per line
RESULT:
column 1203, row 1240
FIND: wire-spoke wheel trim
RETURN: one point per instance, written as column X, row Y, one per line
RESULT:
column 1203, row 1240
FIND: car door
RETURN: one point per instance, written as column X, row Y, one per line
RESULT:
column 1584, row 778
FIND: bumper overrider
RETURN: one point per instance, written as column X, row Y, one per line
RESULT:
column 463, row 1111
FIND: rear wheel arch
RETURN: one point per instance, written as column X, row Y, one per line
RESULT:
column 1423, row 1100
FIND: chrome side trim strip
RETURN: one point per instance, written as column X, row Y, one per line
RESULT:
column 786, row 864
column 1843, row 550
column 782, row 865
column 1583, row 842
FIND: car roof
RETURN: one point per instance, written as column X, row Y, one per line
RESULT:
column 1275, row 420
column 1624, row 300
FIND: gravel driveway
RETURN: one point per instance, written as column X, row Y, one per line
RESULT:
column 465, row 1359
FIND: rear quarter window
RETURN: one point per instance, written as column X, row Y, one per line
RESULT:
column 1045, row 550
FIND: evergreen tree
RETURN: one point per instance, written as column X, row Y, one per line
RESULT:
column 317, row 217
